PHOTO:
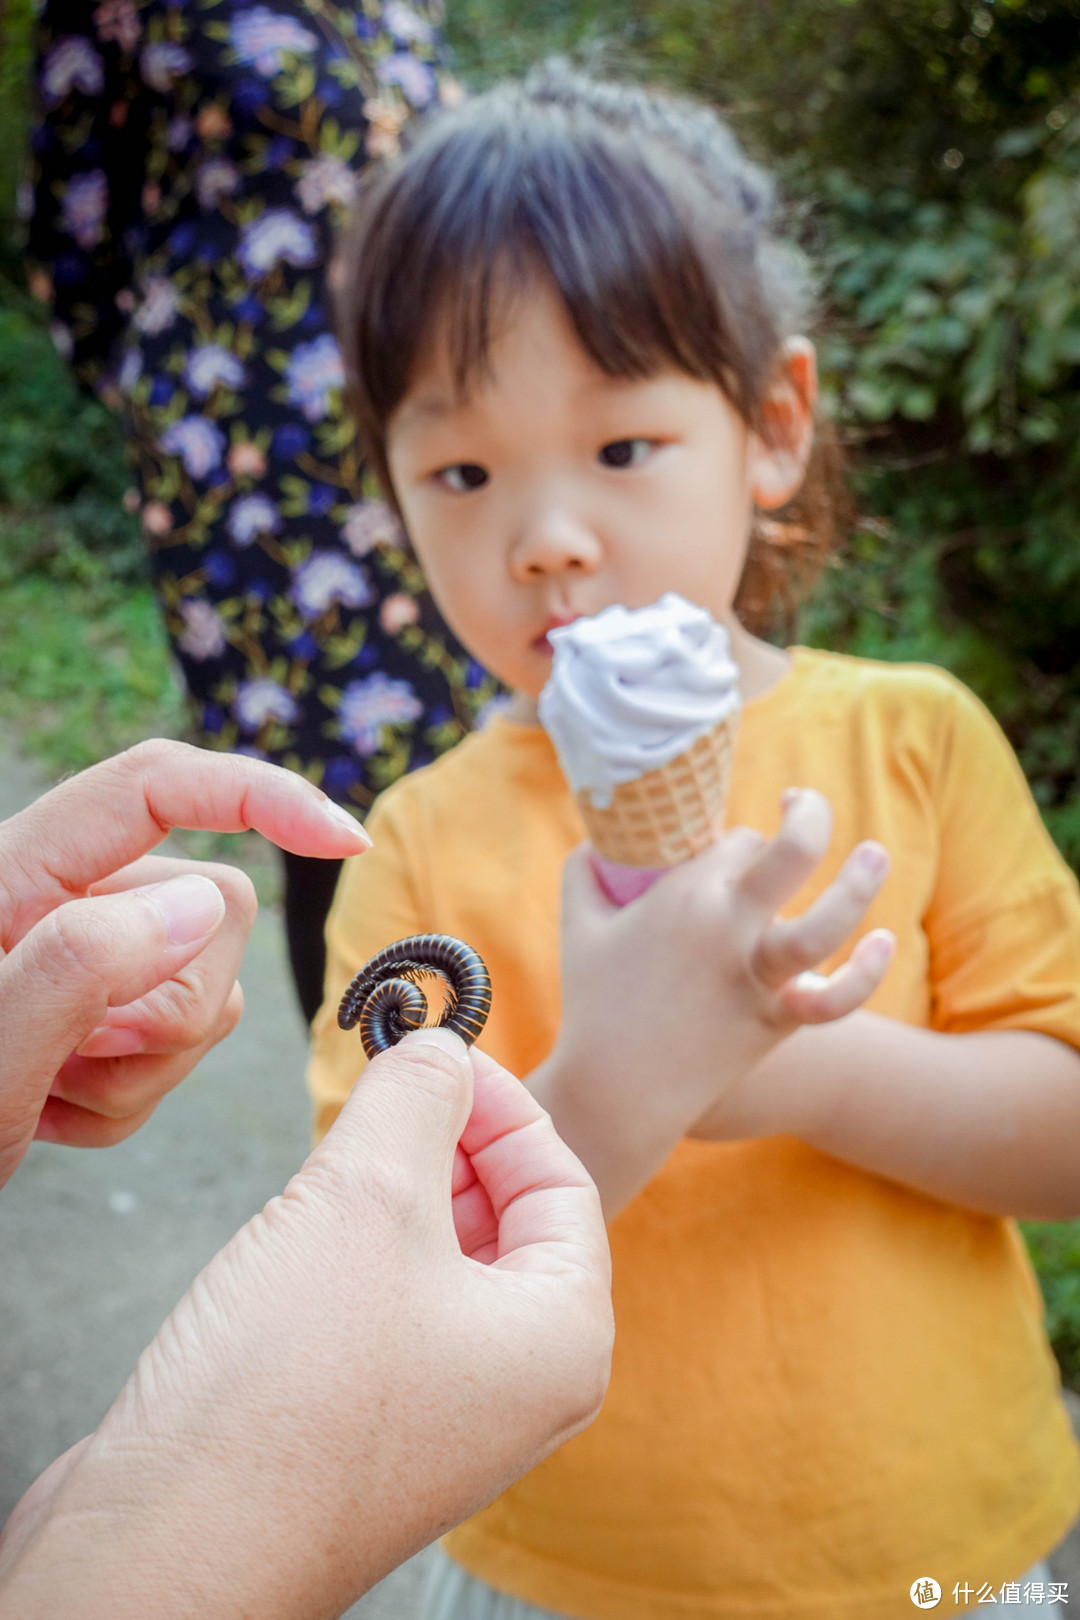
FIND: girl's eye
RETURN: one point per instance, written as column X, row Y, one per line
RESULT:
column 625, row 452
column 463, row 476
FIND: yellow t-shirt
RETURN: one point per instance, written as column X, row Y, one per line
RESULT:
column 825, row 1385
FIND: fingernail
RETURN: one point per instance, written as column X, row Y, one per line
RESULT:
column 190, row 906
column 882, row 944
column 108, row 1041
column 788, row 797
column 343, row 820
column 437, row 1035
column 872, row 858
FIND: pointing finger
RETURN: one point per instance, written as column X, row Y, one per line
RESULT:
column 112, row 813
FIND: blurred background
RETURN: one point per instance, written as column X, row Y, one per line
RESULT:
column 929, row 155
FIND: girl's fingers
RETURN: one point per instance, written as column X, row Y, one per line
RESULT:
column 784, row 865
column 787, row 947
column 810, row 998
column 584, row 905
column 733, row 854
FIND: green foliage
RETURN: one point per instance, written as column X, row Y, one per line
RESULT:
column 1055, row 1252
column 16, row 20
column 886, row 86
column 83, row 657
column 952, row 355
column 58, row 446
column 85, row 667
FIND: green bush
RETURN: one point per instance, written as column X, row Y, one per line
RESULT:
column 16, row 21
column 83, row 658
column 952, row 351
column 58, row 446
column 1055, row 1251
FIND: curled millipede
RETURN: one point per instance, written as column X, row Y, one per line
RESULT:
column 386, row 1001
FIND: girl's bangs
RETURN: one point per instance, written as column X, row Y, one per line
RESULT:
column 594, row 220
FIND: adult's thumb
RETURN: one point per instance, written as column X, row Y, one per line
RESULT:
column 401, row 1124
column 86, row 956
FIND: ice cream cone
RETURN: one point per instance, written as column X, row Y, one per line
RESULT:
column 642, row 705
column 670, row 814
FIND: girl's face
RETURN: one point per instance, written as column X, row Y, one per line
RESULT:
column 553, row 490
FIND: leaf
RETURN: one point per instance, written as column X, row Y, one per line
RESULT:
column 918, row 403
column 873, row 398
column 981, row 377
column 1020, row 142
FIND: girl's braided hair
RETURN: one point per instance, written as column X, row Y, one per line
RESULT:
column 654, row 228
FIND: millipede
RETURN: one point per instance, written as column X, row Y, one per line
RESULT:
column 386, row 1000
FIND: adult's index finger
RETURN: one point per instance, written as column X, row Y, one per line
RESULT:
column 109, row 815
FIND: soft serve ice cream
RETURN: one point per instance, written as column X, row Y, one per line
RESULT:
column 642, row 706
column 630, row 689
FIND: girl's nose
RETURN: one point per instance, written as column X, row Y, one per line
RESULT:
column 554, row 543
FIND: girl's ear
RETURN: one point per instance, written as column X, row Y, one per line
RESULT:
column 780, row 450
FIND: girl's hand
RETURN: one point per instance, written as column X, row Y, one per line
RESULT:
column 669, row 1001
column 782, row 958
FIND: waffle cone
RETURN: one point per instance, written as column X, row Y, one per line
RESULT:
column 670, row 814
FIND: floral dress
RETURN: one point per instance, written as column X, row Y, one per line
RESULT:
column 191, row 162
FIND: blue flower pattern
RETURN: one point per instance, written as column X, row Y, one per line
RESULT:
column 191, row 165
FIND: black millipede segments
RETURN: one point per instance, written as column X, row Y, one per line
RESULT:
column 385, row 999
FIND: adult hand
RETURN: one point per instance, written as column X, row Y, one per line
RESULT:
column 668, row 1002
column 117, row 973
column 365, row 1363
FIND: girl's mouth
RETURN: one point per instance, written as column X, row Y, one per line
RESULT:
column 542, row 643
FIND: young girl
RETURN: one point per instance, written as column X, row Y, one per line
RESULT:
column 572, row 335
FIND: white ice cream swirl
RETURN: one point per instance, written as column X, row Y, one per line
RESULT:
column 630, row 689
